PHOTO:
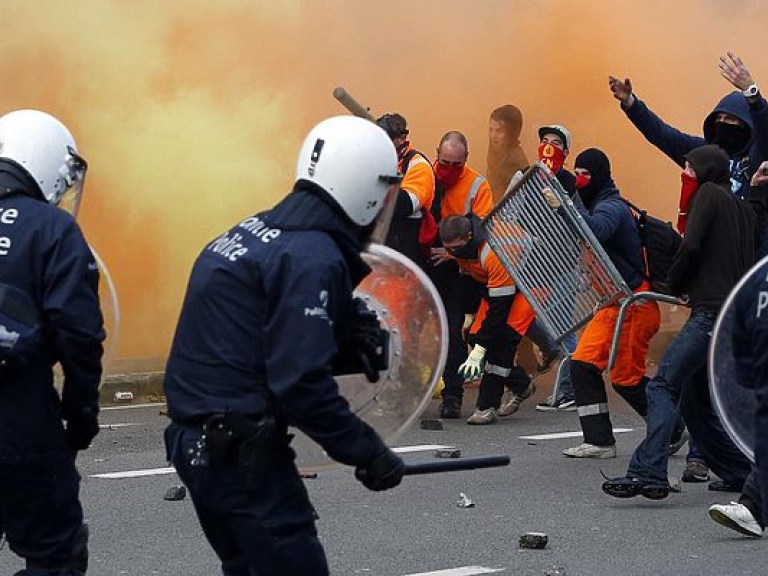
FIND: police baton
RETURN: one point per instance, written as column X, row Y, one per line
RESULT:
column 349, row 102
column 454, row 465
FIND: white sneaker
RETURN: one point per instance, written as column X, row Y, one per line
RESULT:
column 513, row 401
column 481, row 417
column 736, row 517
column 591, row 451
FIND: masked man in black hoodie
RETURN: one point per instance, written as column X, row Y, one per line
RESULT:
column 717, row 250
column 738, row 124
column 610, row 220
column 268, row 308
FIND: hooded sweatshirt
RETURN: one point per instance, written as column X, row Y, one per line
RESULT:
column 504, row 161
column 609, row 217
column 720, row 237
column 743, row 161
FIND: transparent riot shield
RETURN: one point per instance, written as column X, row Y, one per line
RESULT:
column 110, row 308
column 409, row 307
column 733, row 399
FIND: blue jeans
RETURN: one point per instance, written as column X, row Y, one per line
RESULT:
column 564, row 384
column 681, row 384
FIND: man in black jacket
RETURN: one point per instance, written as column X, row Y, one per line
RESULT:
column 268, row 310
column 49, row 313
column 718, row 248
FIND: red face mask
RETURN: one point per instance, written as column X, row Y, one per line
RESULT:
column 552, row 156
column 687, row 191
column 448, row 175
column 582, row 180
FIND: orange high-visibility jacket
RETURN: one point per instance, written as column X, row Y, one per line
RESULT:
column 489, row 271
column 471, row 193
column 418, row 179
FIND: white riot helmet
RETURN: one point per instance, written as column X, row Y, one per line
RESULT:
column 354, row 161
column 46, row 150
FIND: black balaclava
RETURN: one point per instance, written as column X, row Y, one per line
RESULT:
column 732, row 138
column 599, row 168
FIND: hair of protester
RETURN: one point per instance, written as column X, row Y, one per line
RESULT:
column 455, row 227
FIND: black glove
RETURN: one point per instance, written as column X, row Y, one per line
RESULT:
column 385, row 472
column 82, row 428
column 364, row 344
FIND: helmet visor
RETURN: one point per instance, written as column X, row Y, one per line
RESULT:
column 382, row 222
column 73, row 173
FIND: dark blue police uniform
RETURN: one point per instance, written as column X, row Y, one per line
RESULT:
column 750, row 348
column 255, row 341
column 48, row 281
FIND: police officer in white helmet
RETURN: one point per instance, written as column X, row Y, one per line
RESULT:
column 49, row 313
column 267, row 309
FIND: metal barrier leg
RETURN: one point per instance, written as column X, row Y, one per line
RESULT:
column 623, row 311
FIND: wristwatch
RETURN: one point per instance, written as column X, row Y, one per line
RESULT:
column 751, row 91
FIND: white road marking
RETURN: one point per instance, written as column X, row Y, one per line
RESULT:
column 120, row 425
column 463, row 571
column 135, row 473
column 129, row 406
column 559, row 435
column 419, row 448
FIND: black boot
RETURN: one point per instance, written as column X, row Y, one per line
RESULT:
column 450, row 408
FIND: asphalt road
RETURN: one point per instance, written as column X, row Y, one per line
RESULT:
column 418, row 529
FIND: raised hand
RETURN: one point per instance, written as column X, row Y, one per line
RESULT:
column 732, row 68
column 622, row 90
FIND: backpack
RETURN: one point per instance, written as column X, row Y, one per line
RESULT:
column 660, row 243
column 428, row 228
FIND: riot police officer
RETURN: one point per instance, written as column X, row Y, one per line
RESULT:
column 264, row 318
column 49, row 312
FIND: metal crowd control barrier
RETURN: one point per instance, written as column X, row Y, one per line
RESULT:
column 623, row 311
column 552, row 255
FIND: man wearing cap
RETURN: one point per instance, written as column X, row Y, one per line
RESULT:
column 554, row 146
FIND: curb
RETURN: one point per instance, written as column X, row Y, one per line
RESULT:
column 132, row 388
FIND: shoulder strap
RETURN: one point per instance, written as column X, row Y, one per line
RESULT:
column 634, row 207
column 641, row 219
column 409, row 156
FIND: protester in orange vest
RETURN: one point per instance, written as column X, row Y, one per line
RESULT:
column 503, row 315
column 459, row 191
column 417, row 190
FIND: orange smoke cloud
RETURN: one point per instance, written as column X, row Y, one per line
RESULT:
column 191, row 113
